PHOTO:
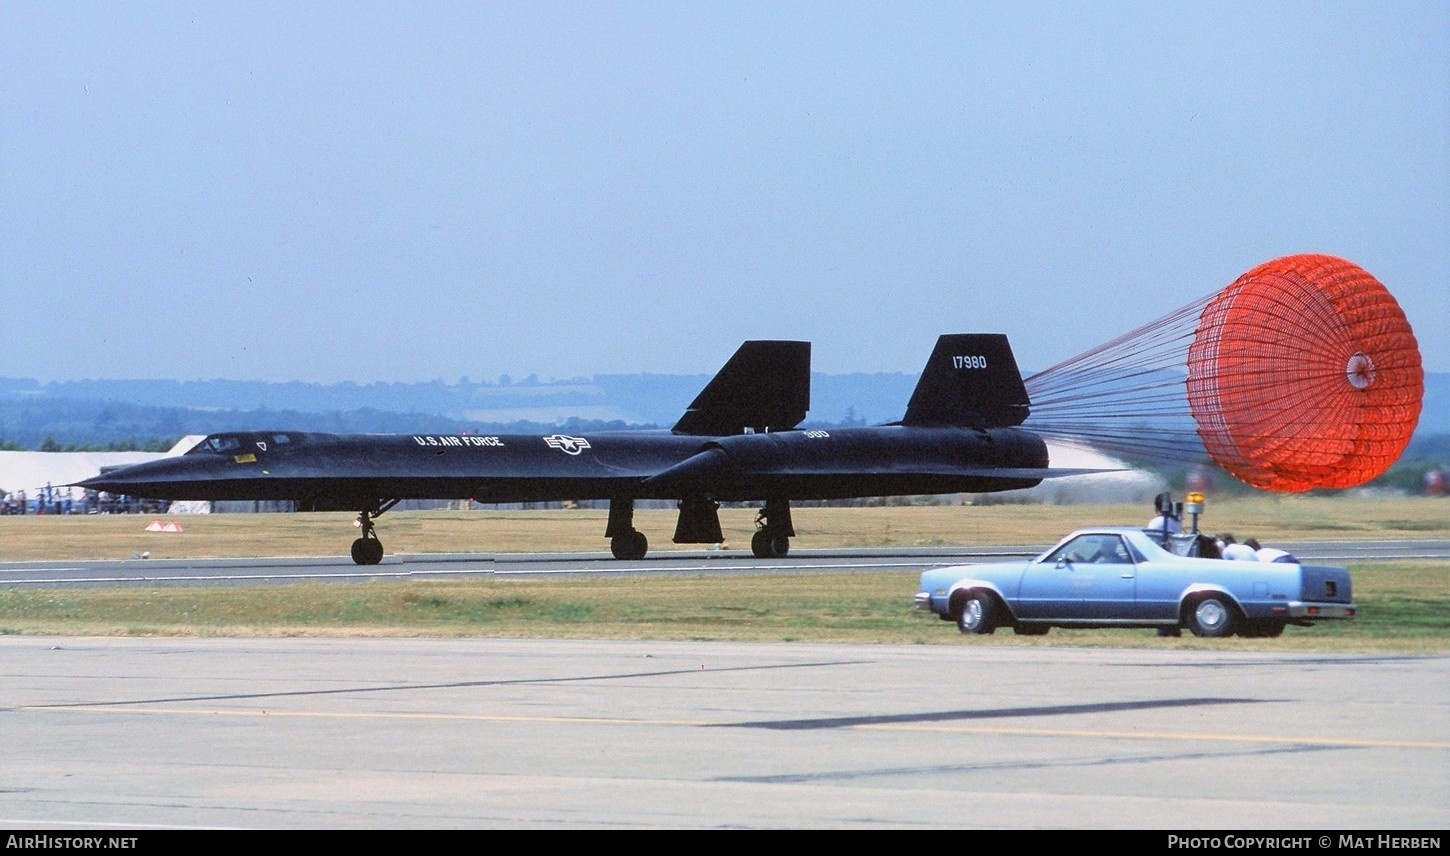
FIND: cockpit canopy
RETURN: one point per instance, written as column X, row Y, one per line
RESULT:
column 234, row 443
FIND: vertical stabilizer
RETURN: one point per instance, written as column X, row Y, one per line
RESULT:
column 765, row 386
column 970, row 381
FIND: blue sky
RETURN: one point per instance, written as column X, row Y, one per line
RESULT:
column 418, row 191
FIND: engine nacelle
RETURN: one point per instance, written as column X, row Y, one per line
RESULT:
column 881, row 461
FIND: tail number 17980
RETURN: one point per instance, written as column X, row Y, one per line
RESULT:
column 965, row 361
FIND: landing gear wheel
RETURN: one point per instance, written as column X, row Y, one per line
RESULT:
column 1212, row 616
column 978, row 615
column 367, row 551
column 631, row 546
column 772, row 530
column 767, row 546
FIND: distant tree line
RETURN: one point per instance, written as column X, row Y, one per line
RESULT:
column 61, row 425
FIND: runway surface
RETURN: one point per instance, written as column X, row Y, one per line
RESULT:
column 493, row 733
column 457, row 565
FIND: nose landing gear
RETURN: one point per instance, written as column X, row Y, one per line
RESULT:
column 367, row 549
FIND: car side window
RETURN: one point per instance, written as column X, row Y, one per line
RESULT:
column 1110, row 551
column 1066, row 553
column 1076, row 551
column 1093, row 549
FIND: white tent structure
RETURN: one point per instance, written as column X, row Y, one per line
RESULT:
column 33, row 473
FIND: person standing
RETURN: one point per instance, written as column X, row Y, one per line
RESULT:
column 1166, row 522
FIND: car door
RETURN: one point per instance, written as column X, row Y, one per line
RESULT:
column 1111, row 581
column 1047, row 589
column 1090, row 576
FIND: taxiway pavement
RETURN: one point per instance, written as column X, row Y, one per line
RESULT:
column 511, row 733
column 458, row 565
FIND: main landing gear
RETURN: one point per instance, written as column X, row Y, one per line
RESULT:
column 699, row 523
column 632, row 545
column 367, row 549
column 773, row 530
column 625, row 542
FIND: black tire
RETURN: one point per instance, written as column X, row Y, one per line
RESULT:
column 767, row 546
column 629, row 547
column 1031, row 629
column 978, row 614
column 1212, row 616
column 1262, row 628
column 367, row 551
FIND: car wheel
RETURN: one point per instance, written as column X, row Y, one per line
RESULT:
column 1211, row 615
column 1031, row 629
column 1263, row 628
column 978, row 614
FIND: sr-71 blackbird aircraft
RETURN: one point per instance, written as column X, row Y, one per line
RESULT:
column 737, row 442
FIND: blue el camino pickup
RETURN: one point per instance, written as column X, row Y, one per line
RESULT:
column 1123, row 577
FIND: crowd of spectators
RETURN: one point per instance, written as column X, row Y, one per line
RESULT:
column 51, row 500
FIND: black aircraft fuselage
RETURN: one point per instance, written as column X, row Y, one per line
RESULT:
column 351, row 471
column 738, row 441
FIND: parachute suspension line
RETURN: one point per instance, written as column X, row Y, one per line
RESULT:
column 1126, row 396
column 1303, row 373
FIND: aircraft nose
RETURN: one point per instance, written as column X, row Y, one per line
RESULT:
column 137, row 477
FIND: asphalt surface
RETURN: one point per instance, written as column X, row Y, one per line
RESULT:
column 457, row 565
column 153, row 734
